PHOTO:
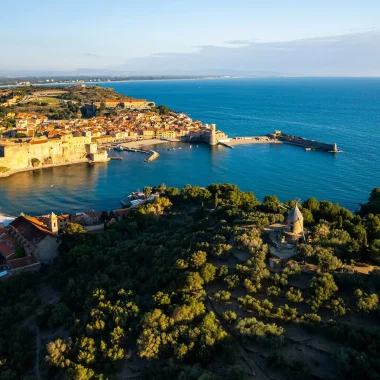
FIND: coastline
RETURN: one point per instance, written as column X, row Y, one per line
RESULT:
column 11, row 172
column 128, row 80
column 148, row 142
column 134, row 144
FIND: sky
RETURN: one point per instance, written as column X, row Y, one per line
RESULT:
column 186, row 36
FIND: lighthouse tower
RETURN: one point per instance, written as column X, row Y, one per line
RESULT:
column 213, row 140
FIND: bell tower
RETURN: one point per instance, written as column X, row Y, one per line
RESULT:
column 53, row 223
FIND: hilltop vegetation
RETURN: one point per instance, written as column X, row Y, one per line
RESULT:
column 181, row 289
column 57, row 102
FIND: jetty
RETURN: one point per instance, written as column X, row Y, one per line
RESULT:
column 281, row 138
column 153, row 155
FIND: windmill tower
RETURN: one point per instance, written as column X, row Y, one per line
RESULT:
column 294, row 222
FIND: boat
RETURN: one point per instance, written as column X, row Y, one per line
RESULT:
column 119, row 148
column 191, row 146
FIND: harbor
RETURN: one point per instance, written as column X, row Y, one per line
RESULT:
column 277, row 137
column 153, row 155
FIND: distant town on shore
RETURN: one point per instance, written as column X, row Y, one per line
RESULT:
column 64, row 125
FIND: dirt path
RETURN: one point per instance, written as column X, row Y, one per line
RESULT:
column 256, row 370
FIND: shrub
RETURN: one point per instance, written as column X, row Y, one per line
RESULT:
column 323, row 287
column 286, row 313
column 263, row 308
column 294, row 295
column 197, row 259
column 292, row 269
column 207, row 272
column 252, row 328
column 222, row 296
column 338, row 307
column 311, row 320
column 280, row 279
column 229, row 316
column 273, row 291
column 232, row 281
column 366, row 302
column 222, row 271
column 251, row 287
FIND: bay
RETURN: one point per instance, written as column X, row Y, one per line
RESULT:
column 345, row 111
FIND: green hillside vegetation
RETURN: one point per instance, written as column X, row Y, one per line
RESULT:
column 182, row 289
column 59, row 102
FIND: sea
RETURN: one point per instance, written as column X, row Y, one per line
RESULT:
column 344, row 110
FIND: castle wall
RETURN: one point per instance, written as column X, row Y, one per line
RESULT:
column 48, row 152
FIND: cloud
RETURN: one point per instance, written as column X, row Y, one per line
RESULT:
column 92, row 55
column 238, row 42
column 355, row 54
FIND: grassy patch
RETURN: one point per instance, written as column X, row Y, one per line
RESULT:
column 45, row 99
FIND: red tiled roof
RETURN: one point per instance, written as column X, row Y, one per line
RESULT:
column 5, row 250
column 64, row 216
column 123, row 211
column 23, row 262
column 31, row 229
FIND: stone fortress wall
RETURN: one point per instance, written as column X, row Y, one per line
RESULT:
column 40, row 152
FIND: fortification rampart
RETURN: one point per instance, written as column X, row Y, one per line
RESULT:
column 42, row 152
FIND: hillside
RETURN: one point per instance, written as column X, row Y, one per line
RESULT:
column 182, row 289
column 55, row 101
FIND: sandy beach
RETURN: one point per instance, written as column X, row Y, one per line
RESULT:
column 148, row 142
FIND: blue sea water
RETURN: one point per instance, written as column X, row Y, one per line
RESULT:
column 345, row 111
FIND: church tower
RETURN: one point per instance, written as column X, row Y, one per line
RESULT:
column 53, row 223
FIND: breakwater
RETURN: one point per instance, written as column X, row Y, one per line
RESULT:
column 308, row 144
column 153, row 155
column 281, row 138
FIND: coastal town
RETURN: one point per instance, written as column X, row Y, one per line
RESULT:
column 34, row 140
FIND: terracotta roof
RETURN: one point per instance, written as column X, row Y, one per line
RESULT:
column 123, row 211
column 31, row 229
column 64, row 216
column 5, row 250
column 23, row 262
